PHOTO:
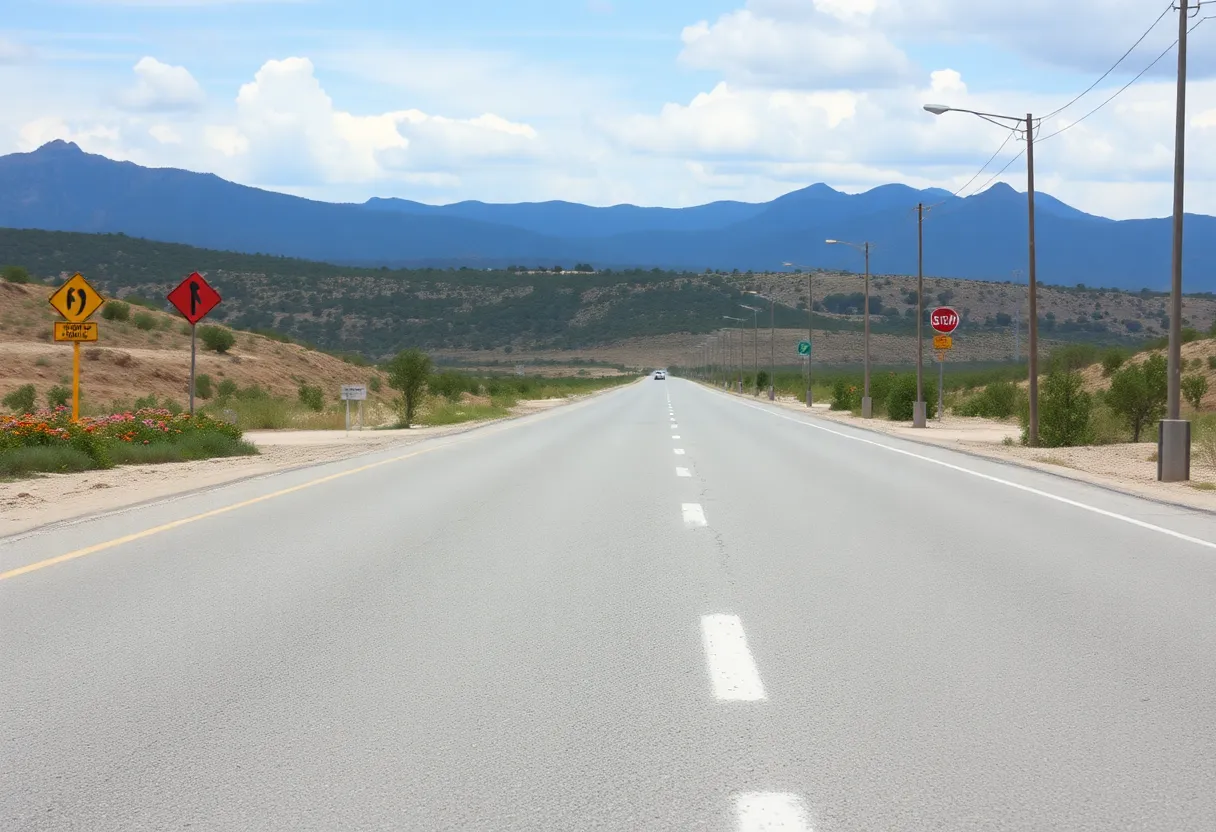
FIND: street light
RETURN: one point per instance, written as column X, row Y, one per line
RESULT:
column 772, row 341
column 810, row 324
column 867, row 404
column 755, row 338
column 741, row 321
column 1026, row 126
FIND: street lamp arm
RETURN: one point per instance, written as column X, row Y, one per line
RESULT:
column 940, row 109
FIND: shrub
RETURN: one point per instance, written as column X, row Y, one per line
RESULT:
column 184, row 328
column 202, row 386
column 59, row 396
column 116, row 310
column 762, row 381
column 16, row 274
column 1112, row 360
column 217, row 339
column 1073, row 357
column 312, row 397
column 373, row 383
column 252, row 393
column 1212, row 362
column 998, row 400
column 844, row 395
column 136, row 300
column 1138, row 393
column 408, row 372
column 226, row 388
column 1194, row 388
column 901, row 395
column 1064, row 410
column 145, row 320
column 61, row 459
column 22, row 400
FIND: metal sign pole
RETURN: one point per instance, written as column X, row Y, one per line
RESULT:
column 193, row 361
column 348, row 415
column 941, row 375
column 75, row 381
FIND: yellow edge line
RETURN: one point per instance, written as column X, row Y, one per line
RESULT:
column 118, row 541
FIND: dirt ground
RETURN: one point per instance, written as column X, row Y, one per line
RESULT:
column 1131, row 468
column 28, row 503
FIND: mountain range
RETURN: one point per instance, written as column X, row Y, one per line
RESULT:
column 59, row 187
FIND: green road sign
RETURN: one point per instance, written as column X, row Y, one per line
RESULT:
column 804, row 347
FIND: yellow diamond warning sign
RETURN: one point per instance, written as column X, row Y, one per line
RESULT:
column 76, row 300
column 69, row 331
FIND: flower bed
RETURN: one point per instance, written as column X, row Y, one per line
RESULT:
column 118, row 437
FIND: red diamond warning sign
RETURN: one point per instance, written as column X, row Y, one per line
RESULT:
column 194, row 298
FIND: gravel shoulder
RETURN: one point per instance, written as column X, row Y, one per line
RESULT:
column 1129, row 468
column 52, row 498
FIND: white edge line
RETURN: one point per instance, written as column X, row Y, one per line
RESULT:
column 1026, row 488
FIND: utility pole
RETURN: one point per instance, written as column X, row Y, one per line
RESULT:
column 772, row 349
column 1032, row 430
column 1017, row 321
column 810, row 332
column 1174, row 434
column 918, row 409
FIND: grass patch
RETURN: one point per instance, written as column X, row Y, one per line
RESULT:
column 1054, row 460
column 1203, row 486
column 200, row 446
column 440, row 412
column 21, row 462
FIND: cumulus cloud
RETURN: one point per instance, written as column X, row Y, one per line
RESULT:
column 828, row 44
column 162, row 87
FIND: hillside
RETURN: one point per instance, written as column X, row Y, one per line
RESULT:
column 639, row 318
column 129, row 362
column 59, row 187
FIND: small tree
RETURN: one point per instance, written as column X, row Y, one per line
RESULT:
column 217, row 338
column 1194, row 388
column 16, row 274
column 312, row 397
column 22, row 400
column 1064, row 410
column 1138, row 393
column 1112, row 360
column 408, row 372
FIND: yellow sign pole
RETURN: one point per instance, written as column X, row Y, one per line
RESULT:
column 75, row 381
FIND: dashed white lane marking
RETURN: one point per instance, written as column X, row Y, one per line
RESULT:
column 694, row 515
column 732, row 672
column 679, row 451
column 683, row 472
column 1018, row 486
column 675, row 436
column 771, row 812
column 675, row 427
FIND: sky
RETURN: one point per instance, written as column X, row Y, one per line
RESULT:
column 650, row 102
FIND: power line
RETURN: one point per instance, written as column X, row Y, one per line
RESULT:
column 1114, row 66
column 999, row 172
column 1012, row 133
column 1124, row 88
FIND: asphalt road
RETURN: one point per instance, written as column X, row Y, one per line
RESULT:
column 598, row 618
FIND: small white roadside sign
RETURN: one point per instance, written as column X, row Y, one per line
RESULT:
column 354, row 393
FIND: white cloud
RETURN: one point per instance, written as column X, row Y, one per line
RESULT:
column 796, row 47
column 161, row 87
column 12, row 52
column 165, row 134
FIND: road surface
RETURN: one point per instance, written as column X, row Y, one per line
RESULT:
column 661, row 608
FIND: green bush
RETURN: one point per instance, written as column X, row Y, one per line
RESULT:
column 1073, row 357
column 145, row 320
column 252, row 393
column 408, row 373
column 1212, row 360
column 217, row 338
column 184, row 328
column 901, row 395
column 22, row 400
column 1064, row 410
column 998, row 400
column 59, row 396
column 16, row 274
column 226, row 388
column 762, row 381
column 373, row 384
column 1138, row 393
column 202, row 386
column 312, row 397
column 1194, row 388
column 145, row 402
column 1112, row 360
column 844, row 395
column 116, row 310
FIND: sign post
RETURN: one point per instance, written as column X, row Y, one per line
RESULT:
column 194, row 298
column 944, row 320
column 354, row 393
column 76, row 300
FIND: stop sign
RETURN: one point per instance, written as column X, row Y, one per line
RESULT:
column 944, row 319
